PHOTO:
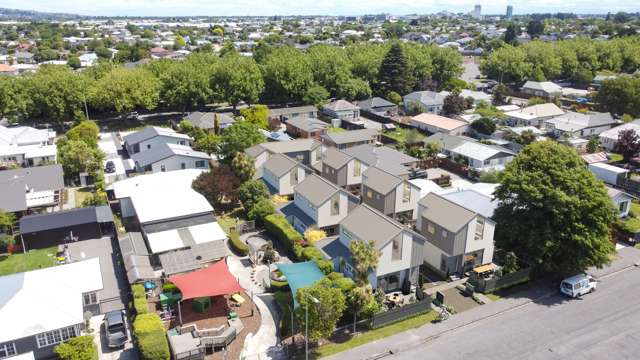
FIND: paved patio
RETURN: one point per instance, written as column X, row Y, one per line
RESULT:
column 459, row 301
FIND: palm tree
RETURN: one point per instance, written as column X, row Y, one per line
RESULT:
column 365, row 257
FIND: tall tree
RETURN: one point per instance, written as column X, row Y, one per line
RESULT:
column 287, row 74
column 511, row 35
column 365, row 256
column 251, row 192
column 316, row 96
column 257, row 115
column 552, row 211
column 323, row 314
column 628, row 144
column 394, row 74
column 238, row 137
column 124, row 90
column 453, row 103
column 621, row 95
column 217, row 185
column 237, row 78
column 243, row 165
column 535, row 28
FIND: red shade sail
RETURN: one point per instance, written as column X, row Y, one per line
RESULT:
column 213, row 280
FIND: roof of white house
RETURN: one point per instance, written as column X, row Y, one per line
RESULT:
column 163, row 195
column 425, row 97
column 536, row 111
column 166, row 150
column 22, row 135
column 151, row 132
column 340, row 105
column 546, row 86
column 613, row 133
column 610, row 168
column 42, row 300
column 473, row 200
column 426, row 186
column 573, row 121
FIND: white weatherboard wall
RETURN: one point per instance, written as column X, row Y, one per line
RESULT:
column 261, row 159
column 285, row 187
column 174, row 163
column 487, row 239
column 386, row 265
column 324, row 212
column 351, row 179
column 402, row 206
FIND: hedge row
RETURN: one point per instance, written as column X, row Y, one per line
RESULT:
column 237, row 245
column 139, row 299
column 278, row 227
column 151, row 337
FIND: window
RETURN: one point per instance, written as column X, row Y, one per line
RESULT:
column 6, row 350
column 294, row 176
column 431, row 229
column 90, row 298
column 406, row 192
column 396, row 250
column 200, row 163
column 148, row 146
column 56, row 336
column 163, row 168
column 300, row 157
column 181, row 142
column 479, row 228
column 623, row 207
column 443, row 263
column 183, row 166
column 369, row 194
column 318, row 155
column 335, row 204
column 357, row 168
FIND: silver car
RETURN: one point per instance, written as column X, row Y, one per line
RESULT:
column 115, row 329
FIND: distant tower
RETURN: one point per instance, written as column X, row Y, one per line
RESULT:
column 477, row 11
column 509, row 11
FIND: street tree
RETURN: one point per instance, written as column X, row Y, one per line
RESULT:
column 237, row 78
column 316, row 96
column 287, row 74
column 324, row 314
column 552, row 211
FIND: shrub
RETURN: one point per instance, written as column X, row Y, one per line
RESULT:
column 169, row 288
column 138, row 291
column 77, row 348
column 311, row 253
column 141, row 305
column 326, row 266
column 151, row 337
column 279, row 286
column 312, row 235
column 237, row 245
column 278, row 227
column 261, row 209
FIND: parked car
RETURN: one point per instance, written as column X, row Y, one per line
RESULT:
column 110, row 167
column 132, row 115
column 578, row 285
column 115, row 329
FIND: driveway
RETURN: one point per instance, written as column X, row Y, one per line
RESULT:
column 128, row 352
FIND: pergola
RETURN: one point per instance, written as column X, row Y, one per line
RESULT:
column 214, row 280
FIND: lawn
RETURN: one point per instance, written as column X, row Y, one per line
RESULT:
column 614, row 158
column 81, row 195
column 377, row 334
column 34, row 259
column 493, row 296
column 401, row 134
column 227, row 220
column 335, row 130
column 632, row 222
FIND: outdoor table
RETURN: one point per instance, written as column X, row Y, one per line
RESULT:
column 237, row 298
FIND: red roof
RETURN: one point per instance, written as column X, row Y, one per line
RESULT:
column 7, row 68
column 158, row 50
column 213, row 280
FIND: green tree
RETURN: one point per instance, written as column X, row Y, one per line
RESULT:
column 628, row 144
column 621, row 95
column 415, row 108
column 360, row 299
column 14, row 100
column 552, row 211
column 257, row 115
column 76, row 156
column 287, row 75
column 237, row 78
column 252, row 191
column 500, row 93
column 331, row 68
column 536, row 101
column 86, row 131
column 365, row 256
column 243, row 165
column 526, row 137
column 626, row 118
column 186, row 85
column 453, row 103
column 77, row 348
column 535, row 28
column 507, row 64
column 316, row 96
column 447, row 64
column 261, row 209
column 354, row 89
column 484, row 126
column 95, row 199
column 323, row 315
column 74, row 62
column 593, row 145
column 511, row 35
column 238, row 137
column 394, row 97
column 394, row 74
column 57, row 94
column 124, row 90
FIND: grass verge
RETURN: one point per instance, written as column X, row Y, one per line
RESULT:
column 32, row 260
column 493, row 296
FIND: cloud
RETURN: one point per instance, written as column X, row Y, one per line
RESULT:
column 309, row 7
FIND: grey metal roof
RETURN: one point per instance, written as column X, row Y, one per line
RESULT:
column 367, row 224
column 316, row 189
column 183, row 260
column 151, row 132
column 386, row 158
column 308, row 124
column 352, row 136
column 178, row 223
column 335, row 158
column 340, row 105
column 165, row 150
column 445, row 213
column 292, row 110
column 279, row 164
column 290, row 209
column 138, row 268
column 298, row 145
column 474, row 201
column 205, row 120
column 375, row 102
column 426, row 97
column 56, row 220
column 254, row 151
column 132, row 243
column 379, row 180
column 332, row 248
column 16, row 182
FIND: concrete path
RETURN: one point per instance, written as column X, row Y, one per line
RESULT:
column 71, row 199
column 445, row 286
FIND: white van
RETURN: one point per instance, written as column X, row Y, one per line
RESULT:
column 578, row 285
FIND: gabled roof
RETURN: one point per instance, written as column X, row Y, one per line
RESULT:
column 335, row 158
column 316, row 189
column 375, row 102
column 469, row 148
column 438, row 121
column 205, row 120
column 445, row 213
column 546, row 86
column 352, row 136
column 308, row 124
column 613, row 133
column 425, row 97
column 472, row 200
column 536, row 111
column 164, row 151
column 279, row 164
column 292, row 110
column 380, row 181
column 151, row 132
column 573, row 121
column 23, row 135
column 60, row 219
column 386, row 158
column 340, row 105
column 367, row 224
column 16, row 183
column 283, row 147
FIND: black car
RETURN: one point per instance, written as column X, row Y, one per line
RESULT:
column 115, row 329
column 110, row 167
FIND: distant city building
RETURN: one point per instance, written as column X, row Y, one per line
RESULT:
column 477, row 11
column 509, row 11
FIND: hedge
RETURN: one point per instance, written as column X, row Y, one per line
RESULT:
column 138, row 291
column 151, row 337
column 279, row 285
column 278, row 227
column 139, row 299
column 237, row 245
column 77, row 348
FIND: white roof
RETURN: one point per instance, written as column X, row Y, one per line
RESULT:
column 613, row 133
column 474, row 150
column 426, row 186
column 207, row 232
column 171, row 239
column 508, row 107
column 23, row 135
column 608, row 167
column 536, row 111
column 164, row 241
column 46, row 299
column 34, row 151
column 163, row 195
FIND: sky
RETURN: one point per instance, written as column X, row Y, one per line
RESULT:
column 312, row 7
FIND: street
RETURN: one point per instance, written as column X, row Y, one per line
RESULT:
column 601, row 325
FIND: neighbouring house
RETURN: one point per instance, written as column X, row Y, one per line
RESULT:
column 31, row 189
column 574, row 125
column 621, row 201
column 431, row 101
column 176, row 222
column 279, row 135
column 88, row 59
column 479, row 156
column 285, row 114
column 401, row 249
column 458, row 231
column 159, row 52
column 42, row 308
column 306, row 128
column 533, row 115
column 342, row 169
column 306, row 151
column 317, row 202
column 151, row 137
column 544, row 89
column 393, row 196
column 8, row 70
column 378, row 106
column 168, row 157
column 609, row 138
column 26, row 146
column 23, row 57
column 341, row 109
column 282, row 174
column 390, row 160
column 610, row 174
column 206, row 120
column 433, row 124
column 476, row 96
column 49, row 229
column 347, row 139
